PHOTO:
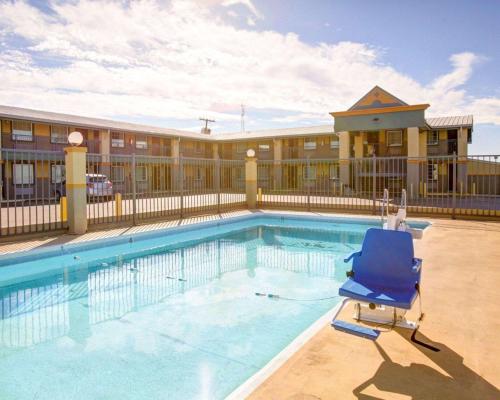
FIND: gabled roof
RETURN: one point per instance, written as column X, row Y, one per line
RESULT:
column 93, row 123
column 450, row 122
column 377, row 98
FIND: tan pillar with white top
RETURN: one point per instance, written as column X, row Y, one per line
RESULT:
column 251, row 181
column 413, row 163
column 76, row 189
column 344, row 155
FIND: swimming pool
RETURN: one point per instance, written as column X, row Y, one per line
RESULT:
column 170, row 314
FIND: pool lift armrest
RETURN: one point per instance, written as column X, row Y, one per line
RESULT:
column 351, row 256
column 417, row 265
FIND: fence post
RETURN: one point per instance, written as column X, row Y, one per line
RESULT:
column 454, row 193
column 217, row 183
column 308, row 169
column 251, row 180
column 76, row 189
column 181, row 185
column 134, row 191
column 374, row 183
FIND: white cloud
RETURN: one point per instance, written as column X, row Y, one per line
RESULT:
column 247, row 3
column 147, row 59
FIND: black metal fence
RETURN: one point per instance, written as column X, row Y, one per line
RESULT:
column 439, row 185
column 136, row 188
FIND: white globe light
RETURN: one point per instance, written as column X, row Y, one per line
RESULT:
column 75, row 138
column 250, row 153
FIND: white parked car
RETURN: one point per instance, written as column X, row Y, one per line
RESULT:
column 98, row 185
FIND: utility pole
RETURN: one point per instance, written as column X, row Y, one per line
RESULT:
column 205, row 129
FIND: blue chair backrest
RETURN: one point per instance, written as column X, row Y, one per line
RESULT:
column 386, row 259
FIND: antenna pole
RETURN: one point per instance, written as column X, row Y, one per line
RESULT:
column 242, row 118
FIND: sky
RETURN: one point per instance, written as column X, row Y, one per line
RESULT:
column 290, row 63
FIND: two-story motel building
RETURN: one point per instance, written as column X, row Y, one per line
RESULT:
column 379, row 123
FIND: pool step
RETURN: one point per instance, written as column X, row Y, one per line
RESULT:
column 357, row 330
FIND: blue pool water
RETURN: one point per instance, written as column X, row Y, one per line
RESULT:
column 166, row 316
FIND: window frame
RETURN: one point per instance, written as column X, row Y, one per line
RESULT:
column 63, row 175
column 198, row 147
column 238, row 150
column 21, row 137
column 32, row 176
column 141, row 140
column 112, row 174
column 469, row 135
column 432, row 171
column 264, row 150
column 310, row 140
column 388, row 133
column 307, row 171
column 52, row 136
column 336, row 174
column 145, row 173
column 113, row 143
column 336, row 142
column 433, row 143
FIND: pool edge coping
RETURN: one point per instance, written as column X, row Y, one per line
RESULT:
column 258, row 378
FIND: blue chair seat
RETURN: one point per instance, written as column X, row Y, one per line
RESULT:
column 401, row 298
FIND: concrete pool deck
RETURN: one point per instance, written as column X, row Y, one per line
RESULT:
column 461, row 301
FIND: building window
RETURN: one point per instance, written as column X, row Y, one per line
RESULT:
column 309, row 144
column 432, row 171
column 58, row 173
column 58, row 134
column 141, row 173
column 334, row 171
column 117, row 173
column 23, row 174
column 117, row 139
column 394, row 138
column 141, row 143
column 263, row 172
column 240, row 173
column 469, row 135
column 199, row 174
column 22, row 130
column 309, row 172
column 198, row 147
column 432, row 137
column 334, row 142
column 263, row 147
column 241, row 147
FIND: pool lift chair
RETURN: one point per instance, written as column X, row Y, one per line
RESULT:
column 384, row 283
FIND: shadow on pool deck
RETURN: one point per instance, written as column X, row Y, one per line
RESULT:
column 418, row 380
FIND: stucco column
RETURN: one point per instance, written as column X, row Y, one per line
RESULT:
column 358, row 145
column 175, row 152
column 344, row 155
column 76, row 189
column 105, row 137
column 413, row 163
column 278, row 153
column 215, row 151
column 462, row 161
column 251, row 181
